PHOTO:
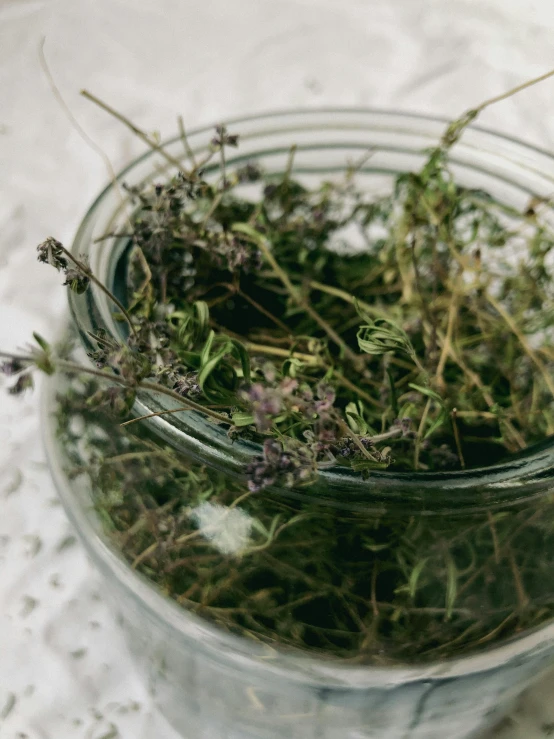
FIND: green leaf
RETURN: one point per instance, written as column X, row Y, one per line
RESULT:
column 443, row 417
column 208, row 368
column 213, row 360
column 191, row 359
column 44, row 345
column 192, row 323
column 203, row 316
column 382, row 336
column 428, row 392
column 355, row 419
column 363, row 465
column 414, row 577
column 376, row 547
column 242, row 418
column 394, row 396
column 451, row 586
column 207, row 348
column 249, row 231
column 292, row 365
column 407, row 410
column 240, row 351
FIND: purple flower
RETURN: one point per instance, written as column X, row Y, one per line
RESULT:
column 265, row 404
column 405, row 426
column 326, row 397
column 289, row 467
column 288, row 385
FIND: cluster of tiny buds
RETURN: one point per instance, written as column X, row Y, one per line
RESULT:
column 52, row 252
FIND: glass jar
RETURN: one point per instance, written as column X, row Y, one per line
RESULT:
column 212, row 681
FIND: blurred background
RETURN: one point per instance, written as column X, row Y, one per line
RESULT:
column 63, row 668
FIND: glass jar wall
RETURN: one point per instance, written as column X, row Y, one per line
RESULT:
column 388, row 605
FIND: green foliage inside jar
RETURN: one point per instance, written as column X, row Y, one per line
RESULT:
column 410, row 331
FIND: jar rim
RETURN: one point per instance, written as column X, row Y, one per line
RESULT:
column 520, row 477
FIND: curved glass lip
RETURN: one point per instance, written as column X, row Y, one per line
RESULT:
column 330, row 110
column 507, row 479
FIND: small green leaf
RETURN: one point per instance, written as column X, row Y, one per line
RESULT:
column 363, row 465
column 191, row 359
column 355, row 419
column 247, row 230
column 382, row 336
column 203, row 314
column 292, row 366
column 414, row 577
column 443, row 417
column 44, row 345
column 240, row 351
column 394, row 396
column 241, row 418
column 376, row 547
column 451, row 586
column 208, row 368
column 207, row 348
column 428, row 392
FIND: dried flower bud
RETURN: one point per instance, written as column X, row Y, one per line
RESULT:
column 326, row 394
column 405, row 426
column 251, row 172
column 222, row 138
column 444, row 458
column 290, row 467
column 115, row 399
column 51, row 252
column 265, row 404
column 237, row 254
column 186, row 385
column 76, row 280
column 23, row 382
column 11, row 367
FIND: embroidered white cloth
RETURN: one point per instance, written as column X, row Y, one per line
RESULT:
column 64, row 673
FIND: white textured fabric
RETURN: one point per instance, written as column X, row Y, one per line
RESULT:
column 64, row 673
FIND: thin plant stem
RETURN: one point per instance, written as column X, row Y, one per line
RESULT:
column 142, row 135
column 86, row 271
column 142, row 385
column 420, row 432
column 499, row 308
column 454, row 416
column 77, row 126
column 514, row 91
column 182, row 132
column 447, row 343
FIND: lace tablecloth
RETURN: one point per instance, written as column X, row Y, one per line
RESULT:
column 64, row 672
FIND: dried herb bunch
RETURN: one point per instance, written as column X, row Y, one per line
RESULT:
column 410, row 331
